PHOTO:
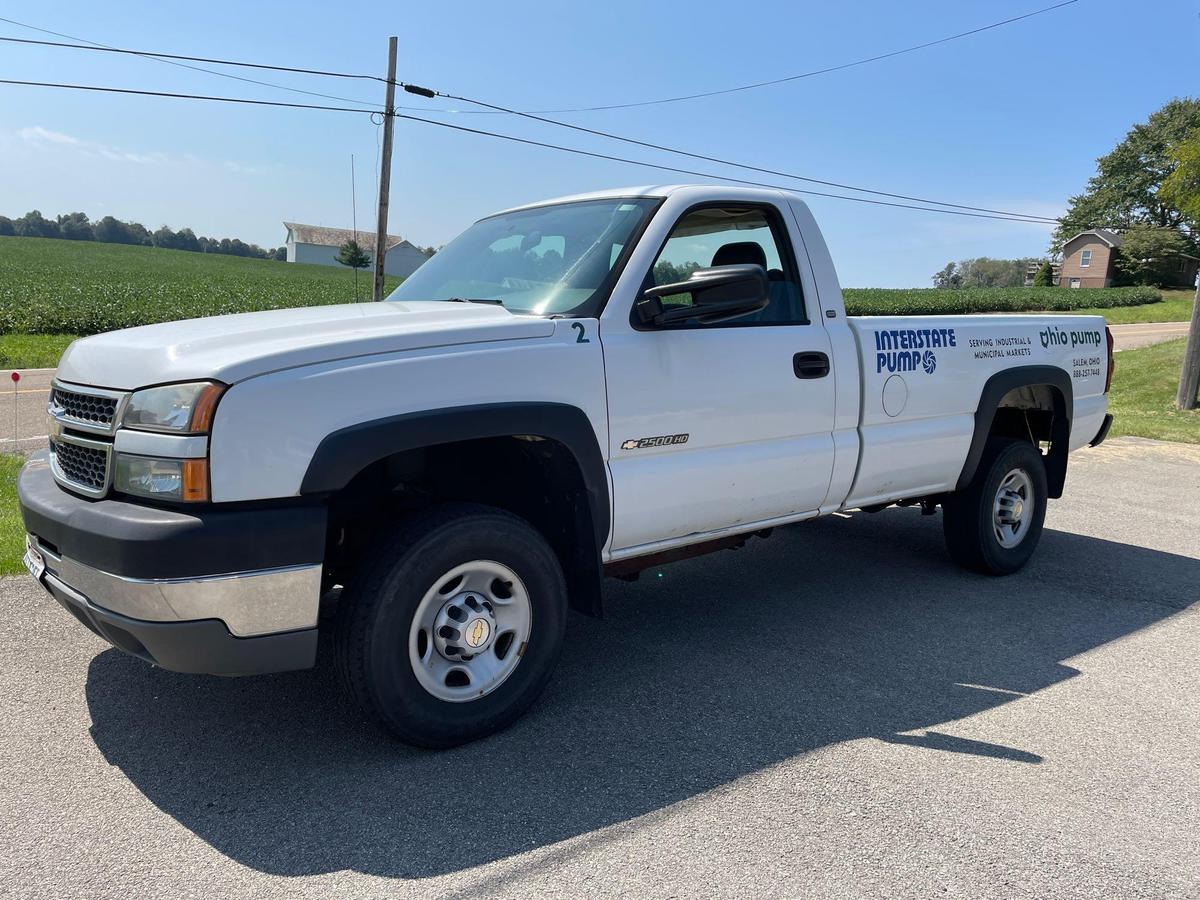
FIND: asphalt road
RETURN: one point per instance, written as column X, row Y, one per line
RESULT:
column 834, row 712
column 1129, row 337
column 23, row 411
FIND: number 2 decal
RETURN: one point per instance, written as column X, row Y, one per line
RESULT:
column 579, row 338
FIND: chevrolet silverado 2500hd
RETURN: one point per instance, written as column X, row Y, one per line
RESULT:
column 583, row 387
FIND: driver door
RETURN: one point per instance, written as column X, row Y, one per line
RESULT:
column 719, row 426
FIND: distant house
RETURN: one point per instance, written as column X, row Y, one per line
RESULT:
column 318, row 244
column 1034, row 267
column 1089, row 259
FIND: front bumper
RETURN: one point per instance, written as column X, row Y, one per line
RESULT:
column 202, row 647
column 225, row 592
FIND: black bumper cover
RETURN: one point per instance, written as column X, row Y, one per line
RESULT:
column 202, row 647
column 136, row 541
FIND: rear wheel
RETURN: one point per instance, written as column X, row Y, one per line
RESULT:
column 994, row 524
column 453, row 625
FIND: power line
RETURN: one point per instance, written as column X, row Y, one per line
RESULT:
column 814, row 72
column 170, row 60
column 163, row 57
column 177, row 96
column 681, row 171
column 92, row 45
column 728, row 162
column 513, row 138
column 169, row 57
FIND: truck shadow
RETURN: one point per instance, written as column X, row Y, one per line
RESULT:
column 701, row 673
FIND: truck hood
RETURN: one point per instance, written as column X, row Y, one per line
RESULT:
column 235, row 347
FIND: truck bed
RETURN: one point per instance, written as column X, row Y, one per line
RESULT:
column 922, row 377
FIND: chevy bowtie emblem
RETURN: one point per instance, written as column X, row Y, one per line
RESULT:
column 477, row 633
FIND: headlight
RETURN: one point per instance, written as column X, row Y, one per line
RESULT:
column 183, row 480
column 177, row 408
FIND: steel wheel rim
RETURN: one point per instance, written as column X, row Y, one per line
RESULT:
column 1013, row 508
column 469, row 631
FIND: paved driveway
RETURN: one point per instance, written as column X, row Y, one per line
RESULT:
column 834, row 712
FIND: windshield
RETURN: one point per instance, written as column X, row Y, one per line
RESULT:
column 547, row 260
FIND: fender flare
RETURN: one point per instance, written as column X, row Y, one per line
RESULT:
column 342, row 454
column 993, row 392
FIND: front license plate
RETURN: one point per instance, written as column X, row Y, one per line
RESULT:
column 33, row 559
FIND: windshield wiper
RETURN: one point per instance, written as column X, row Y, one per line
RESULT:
column 491, row 300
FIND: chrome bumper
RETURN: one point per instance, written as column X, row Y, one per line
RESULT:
column 248, row 604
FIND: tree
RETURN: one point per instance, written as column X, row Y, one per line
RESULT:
column 75, row 227
column 673, row 273
column 1044, row 276
column 983, row 272
column 988, row 272
column 164, row 237
column 140, row 234
column 280, row 254
column 1151, row 256
column 948, row 277
column 1125, row 191
column 113, row 231
column 6, row 227
column 34, row 224
column 352, row 255
column 1182, row 188
column 185, row 239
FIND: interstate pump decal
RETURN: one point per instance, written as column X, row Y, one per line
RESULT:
column 911, row 349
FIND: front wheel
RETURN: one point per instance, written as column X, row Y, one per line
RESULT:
column 453, row 626
column 994, row 524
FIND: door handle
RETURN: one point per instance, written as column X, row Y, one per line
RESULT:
column 810, row 364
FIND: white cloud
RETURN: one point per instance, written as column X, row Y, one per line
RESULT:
column 42, row 138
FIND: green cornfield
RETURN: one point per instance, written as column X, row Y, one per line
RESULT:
column 75, row 287
column 78, row 288
column 928, row 301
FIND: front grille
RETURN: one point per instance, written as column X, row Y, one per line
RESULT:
column 82, row 467
column 92, row 411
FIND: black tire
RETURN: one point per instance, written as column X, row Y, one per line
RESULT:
column 967, row 515
column 375, row 614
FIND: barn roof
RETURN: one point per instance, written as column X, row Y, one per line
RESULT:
column 335, row 237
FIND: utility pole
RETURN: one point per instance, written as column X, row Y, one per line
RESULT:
column 1189, row 378
column 354, row 221
column 385, row 170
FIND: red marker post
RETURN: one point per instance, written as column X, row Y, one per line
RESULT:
column 16, row 378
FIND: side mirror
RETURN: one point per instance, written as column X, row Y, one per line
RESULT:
column 718, row 295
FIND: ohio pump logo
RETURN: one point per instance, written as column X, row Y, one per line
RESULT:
column 909, row 349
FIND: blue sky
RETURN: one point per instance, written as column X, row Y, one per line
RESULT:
column 1012, row 118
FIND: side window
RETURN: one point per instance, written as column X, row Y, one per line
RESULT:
column 1085, row 259
column 725, row 236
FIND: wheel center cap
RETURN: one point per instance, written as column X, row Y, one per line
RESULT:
column 1018, row 508
column 477, row 632
column 465, row 627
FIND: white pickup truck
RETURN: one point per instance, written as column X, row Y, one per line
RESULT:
column 584, row 387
